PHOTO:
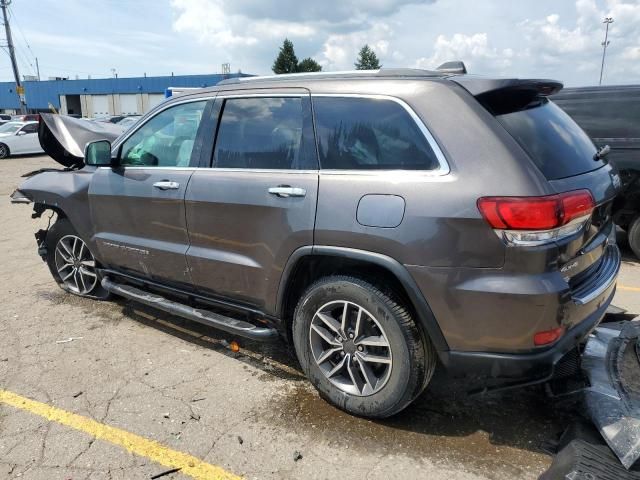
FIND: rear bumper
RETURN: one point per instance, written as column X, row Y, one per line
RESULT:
column 534, row 367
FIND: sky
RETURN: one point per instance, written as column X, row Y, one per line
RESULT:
column 559, row 39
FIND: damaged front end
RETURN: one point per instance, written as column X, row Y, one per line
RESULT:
column 611, row 362
column 63, row 191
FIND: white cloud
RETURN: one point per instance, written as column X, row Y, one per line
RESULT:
column 339, row 51
column 473, row 49
column 577, row 40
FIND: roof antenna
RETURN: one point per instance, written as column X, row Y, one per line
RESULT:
column 454, row 67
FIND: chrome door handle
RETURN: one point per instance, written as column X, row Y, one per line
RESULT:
column 285, row 191
column 167, row 185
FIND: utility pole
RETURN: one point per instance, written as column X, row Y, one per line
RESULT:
column 12, row 53
column 608, row 21
column 37, row 69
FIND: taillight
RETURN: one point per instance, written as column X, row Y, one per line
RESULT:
column 535, row 220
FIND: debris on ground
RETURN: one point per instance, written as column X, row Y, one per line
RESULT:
column 297, row 456
column 77, row 394
column 166, row 472
column 240, row 440
column 195, row 416
column 165, row 415
column 70, row 339
column 197, row 400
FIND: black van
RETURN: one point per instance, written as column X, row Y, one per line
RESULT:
column 611, row 116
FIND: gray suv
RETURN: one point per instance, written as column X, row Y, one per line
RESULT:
column 381, row 221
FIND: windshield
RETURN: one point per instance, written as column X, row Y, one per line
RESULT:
column 11, row 127
column 555, row 143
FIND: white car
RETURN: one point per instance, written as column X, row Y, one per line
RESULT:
column 17, row 138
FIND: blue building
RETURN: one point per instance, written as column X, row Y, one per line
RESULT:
column 101, row 96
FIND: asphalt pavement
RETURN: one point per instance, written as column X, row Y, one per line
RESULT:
column 113, row 390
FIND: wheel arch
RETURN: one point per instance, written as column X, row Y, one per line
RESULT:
column 308, row 263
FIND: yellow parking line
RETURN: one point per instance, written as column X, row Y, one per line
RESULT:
column 631, row 289
column 188, row 464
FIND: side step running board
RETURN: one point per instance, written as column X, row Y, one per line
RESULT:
column 206, row 317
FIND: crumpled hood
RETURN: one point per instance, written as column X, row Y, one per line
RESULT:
column 63, row 138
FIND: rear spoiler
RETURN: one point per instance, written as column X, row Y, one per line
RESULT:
column 507, row 95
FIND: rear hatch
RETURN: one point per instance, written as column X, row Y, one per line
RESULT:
column 565, row 156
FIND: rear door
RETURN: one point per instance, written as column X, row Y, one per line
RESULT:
column 257, row 203
column 137, row 209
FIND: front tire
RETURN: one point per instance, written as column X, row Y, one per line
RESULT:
column 4, row 151
column 360, row 348
column 71, row 263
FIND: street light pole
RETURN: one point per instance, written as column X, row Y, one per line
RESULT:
column 12, row 53
column 605, row 44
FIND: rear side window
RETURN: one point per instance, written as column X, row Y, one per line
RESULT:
column 555, row 143
column 369, row 134
column 264, row 133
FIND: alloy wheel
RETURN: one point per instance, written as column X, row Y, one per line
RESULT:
column 350, row 347
column 76, row 265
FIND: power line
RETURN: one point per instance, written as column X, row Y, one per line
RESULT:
column 19, row 88
column 15, row 22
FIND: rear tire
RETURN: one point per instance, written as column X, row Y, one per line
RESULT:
column 4, row 151
column 376, row 362
column 634, row 236
column 71, row 263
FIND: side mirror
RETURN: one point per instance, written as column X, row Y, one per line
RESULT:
column 98, row 153
column 21, row 132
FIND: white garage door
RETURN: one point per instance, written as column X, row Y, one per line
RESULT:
column 155, row 99
column 129, row 105
column 100, row 105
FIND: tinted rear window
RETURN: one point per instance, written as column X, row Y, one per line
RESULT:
column 369, row 134
column 555, row 143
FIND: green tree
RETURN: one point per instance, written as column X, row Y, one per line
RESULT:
column 309, row 65
column 367, row 59
column 286, row 62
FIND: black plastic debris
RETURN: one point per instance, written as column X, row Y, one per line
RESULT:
column 581, row 460
column 612, row 367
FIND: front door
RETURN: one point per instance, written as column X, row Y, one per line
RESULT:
column 26, row 139
column 137, row 208
column 248, row 213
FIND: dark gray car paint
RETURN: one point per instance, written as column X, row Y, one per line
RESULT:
column 484, row 295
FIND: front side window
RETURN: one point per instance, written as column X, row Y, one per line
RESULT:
column 369, row 133
column 166, row 140
column 263, row 133
column 31, row 128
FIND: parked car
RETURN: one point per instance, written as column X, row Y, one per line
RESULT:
column 4, row 118
column 109, row 119
column 128, row 122
column 383, row 222
column 18, row 138
column 30, row 117
column 611, row 116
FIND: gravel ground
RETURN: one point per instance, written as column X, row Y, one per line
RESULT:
column 249, row 412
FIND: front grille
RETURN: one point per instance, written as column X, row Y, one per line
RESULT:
column 599, row 278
